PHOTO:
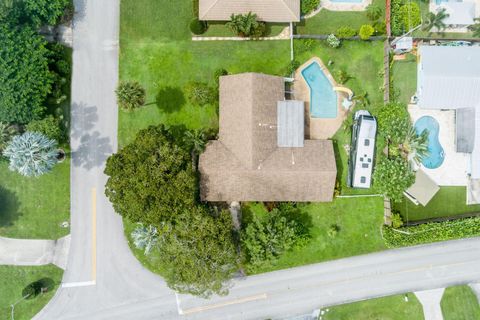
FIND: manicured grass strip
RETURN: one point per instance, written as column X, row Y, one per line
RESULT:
column 387, row 308
column 218, row 29
column 326, row 22
column 12, row 281
column 404, row 77
column 359, row 221
column 34, row 207
column 460, row 303
column 449, row 201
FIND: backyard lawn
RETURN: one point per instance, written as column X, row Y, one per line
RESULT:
column 460, row 303
column 448, row 201
column 404, row 77
column 359, row 222
column 386, row 308
column 12, row 281
column 34, row 207
column 326, row 21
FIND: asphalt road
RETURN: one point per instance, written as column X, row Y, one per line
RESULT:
column 104, row 281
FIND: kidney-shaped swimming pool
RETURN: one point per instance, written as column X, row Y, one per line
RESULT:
column 436, row 154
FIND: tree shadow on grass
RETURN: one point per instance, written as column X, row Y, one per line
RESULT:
column 9, row 206
column 170, row 99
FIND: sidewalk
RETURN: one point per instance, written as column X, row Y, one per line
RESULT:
column 25, row 252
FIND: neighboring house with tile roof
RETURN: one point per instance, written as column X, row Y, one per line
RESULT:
column 266, row 10
column 252, row 160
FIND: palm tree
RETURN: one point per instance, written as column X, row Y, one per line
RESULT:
column 145, row 237
column 130, row 95
column 195, row 140
column 435, row 20
column 362, row 99
column 246, row 25
column 475, row 28
column 415, row 146
column 31, row 154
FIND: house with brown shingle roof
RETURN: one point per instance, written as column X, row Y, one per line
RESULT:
column 266, row 10
column 261, row 153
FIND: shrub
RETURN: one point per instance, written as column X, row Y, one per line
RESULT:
column 366, row 31
column 410, row 16
column 333, row 41
column 342, row 76
column 31, row 154
column 130, row 95
column 374, row 12
column 6, row 133
column 197, row 26
column 395, row 19
column 200, row 93
column 392, row 176
column 291, row 68
column 266, row 238
column 217, row 74
column 393, row 122
column 304, row 45
column 380, row 27
column 307, row 6
column 49, row 127
column 333, row 230
column 432, row 232
column 397, row 220
column 345, row 32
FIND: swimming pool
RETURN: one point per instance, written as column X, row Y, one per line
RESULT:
column 436, row 154
column 323, row 99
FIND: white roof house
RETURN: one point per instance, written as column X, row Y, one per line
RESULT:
column 449, row 78
column 363, row 150
column 459, row 13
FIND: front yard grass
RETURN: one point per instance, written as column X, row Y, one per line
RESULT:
column 449, row 201
column 327, row 22
column 12, row 281
column 359, row 221
column 404, row 77
column 460, row 303
column 34, row 207
column 386, row 308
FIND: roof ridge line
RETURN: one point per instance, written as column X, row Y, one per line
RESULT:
column 210, row 8
column 289, row 9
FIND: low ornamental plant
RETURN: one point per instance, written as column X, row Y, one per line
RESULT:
column 345, row 32
column 366, row 31
column 333, row 41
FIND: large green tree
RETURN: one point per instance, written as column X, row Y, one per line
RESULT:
column 25, row 79
column 45, row 11
column 198, row 253
column 393, row 121
column 392, row 177
column 151, row 179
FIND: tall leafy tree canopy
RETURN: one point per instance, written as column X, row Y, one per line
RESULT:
column 32, row 12
column 151, row 180
column 25, row 79
column 199, row 254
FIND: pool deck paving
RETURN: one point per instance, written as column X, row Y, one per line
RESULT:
column 453, row 170
column 318, row 128
column 345, row 6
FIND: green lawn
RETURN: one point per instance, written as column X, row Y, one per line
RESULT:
column 326, row 22
column 448, row 201
column 12, row 281
column 404, row 77
column 359, row 221
column 34, row 207
column 387, row 308
column 460, row 303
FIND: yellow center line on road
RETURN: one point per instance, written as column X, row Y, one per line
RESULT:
column 94, row 234
column 224, row 304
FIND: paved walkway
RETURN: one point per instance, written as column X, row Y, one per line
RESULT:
column 25, row 252
column 430, row 300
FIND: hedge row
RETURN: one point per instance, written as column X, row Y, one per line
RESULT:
column 432, row 232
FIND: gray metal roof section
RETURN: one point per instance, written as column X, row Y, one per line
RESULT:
column 459, row 13
column 290, row 123
column 423, row 189
column 465, row 130
column 448, row 77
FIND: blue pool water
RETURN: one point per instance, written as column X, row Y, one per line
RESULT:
column 323, row 100
column 435, row 150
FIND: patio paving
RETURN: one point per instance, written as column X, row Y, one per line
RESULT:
column 318, row 128
column 345, row 6
column 453, row 171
